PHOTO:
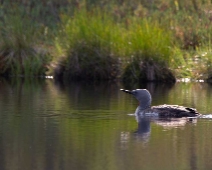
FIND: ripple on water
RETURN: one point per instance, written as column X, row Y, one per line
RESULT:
column 208, row 116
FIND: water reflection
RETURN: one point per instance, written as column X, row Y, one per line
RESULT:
column 89, row 96
column 46, row 125
column 143, row 131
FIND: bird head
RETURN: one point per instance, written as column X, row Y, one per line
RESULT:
column 142, row 95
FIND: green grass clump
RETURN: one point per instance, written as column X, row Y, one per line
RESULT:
column 150, row 52
column 89, row 41
column 148, row 41
column 19, row 55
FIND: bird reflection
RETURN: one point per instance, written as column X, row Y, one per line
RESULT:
column 143, row 131
column 144, row 128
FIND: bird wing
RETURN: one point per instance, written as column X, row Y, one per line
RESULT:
column 175, row 111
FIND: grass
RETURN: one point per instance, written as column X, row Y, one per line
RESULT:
column 145, row 39
column 94, row 39
column 89, row 41
column 19, row 55
column 107, row 36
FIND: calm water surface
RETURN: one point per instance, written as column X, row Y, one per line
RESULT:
column 51, row 126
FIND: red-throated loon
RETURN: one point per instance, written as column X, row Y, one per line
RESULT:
column 145, row 99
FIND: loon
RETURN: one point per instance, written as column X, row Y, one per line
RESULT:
column 163, row 111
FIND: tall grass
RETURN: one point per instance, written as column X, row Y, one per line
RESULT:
column 19, row 55
column 90, row 41
column 202, row 63
column 107, row 36
column 150, row 51
column 148, row 41
column 93, row 43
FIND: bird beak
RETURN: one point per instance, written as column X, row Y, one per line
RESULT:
column 126, row 91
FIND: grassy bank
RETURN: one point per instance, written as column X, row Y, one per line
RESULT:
column 89, row 42
column 19, row 50
column 95, row 39
column 107, row 40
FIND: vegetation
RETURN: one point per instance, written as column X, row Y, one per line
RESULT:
column 96, row 40
column 107, row 40
column 19, row 54
column 89, row 42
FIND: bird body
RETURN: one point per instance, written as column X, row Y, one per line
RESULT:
column 144, row 108
column 175, row 111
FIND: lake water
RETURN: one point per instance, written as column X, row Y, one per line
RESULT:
column 51, row 126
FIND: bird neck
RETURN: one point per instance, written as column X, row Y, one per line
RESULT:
column 140, row 109
column 146, row 105
column 144, row 101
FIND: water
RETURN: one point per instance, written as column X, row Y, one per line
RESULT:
column 46, row 126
